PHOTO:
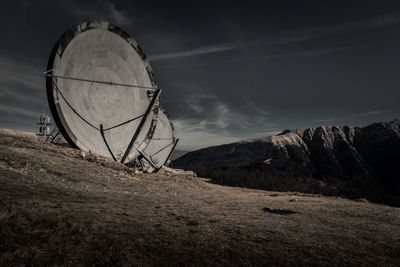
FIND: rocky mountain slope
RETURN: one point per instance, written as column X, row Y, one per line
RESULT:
column 369, row 155
column 61, row 207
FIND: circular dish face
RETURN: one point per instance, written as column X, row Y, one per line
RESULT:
column 93, row 72
column 161, row 145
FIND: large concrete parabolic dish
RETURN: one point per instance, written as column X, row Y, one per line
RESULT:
column 101, row 91
column 159, row 150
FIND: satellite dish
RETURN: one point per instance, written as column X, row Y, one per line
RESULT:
column 101, row 91
column 161, row 146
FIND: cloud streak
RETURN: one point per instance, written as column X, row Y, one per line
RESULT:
column 309, row 53
column 319, row 52
column 196, row 137
column 217, row 122
column 200, row 51
column 22, row 94
column 288, row 37
column 352, row 116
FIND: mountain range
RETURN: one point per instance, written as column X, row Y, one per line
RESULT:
column 354, row 161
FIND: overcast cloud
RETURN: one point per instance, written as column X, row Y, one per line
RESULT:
column 228, row 71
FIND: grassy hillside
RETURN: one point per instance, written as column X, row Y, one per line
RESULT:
column 59, row 206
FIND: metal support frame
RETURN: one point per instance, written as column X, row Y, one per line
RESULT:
column 172, row 150
column 96, row 81
column 140, row 126
column 51, row 134
column 149, row 157
column 55, row 140
column 145, row 156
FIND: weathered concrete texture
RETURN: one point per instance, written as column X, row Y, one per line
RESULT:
column 98, row 52
column 160, row 146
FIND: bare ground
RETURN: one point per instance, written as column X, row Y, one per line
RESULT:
column 58, row 207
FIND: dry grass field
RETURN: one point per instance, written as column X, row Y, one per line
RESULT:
column 59, row 206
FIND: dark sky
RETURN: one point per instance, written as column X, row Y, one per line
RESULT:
column 228, row 71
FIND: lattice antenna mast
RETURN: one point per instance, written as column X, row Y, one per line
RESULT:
column 44, row 129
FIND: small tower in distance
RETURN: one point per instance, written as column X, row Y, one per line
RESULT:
column 44, row 129
column 44, row 134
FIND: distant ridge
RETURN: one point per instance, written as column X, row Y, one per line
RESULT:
column 342, row 153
